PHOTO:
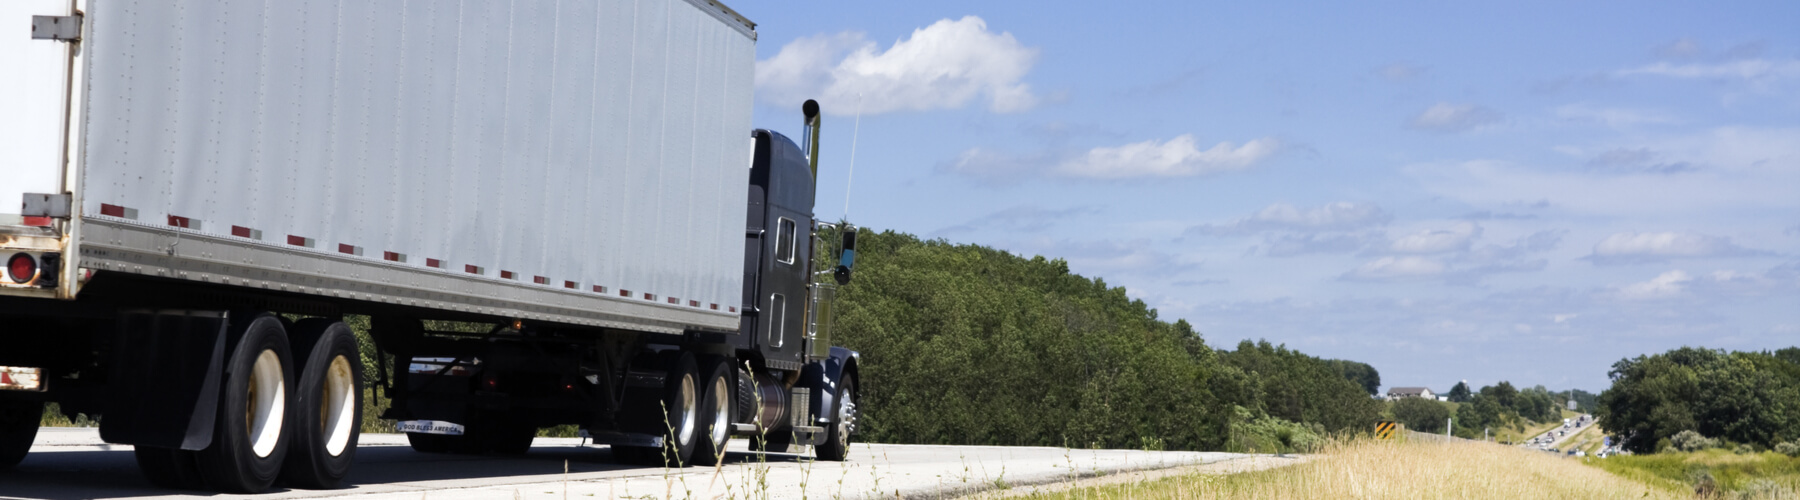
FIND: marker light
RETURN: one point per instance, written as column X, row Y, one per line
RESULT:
column 22, row 267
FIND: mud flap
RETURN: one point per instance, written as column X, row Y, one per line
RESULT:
column 164, row 382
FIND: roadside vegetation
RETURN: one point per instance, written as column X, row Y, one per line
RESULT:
column 1734, row 398
column 1711, row 473
column 964, row 344
column 1368, row 468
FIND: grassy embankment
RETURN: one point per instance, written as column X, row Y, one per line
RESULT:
column 1765, row 475
column 1363, row 468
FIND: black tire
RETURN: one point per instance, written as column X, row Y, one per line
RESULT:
column 250, row 438
column 169, row 468
column 327, row 412
column 717, row 399
column 681, row 401
column 18, row 428
column 843, row 423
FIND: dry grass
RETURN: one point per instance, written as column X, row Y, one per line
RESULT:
column 1363, row 468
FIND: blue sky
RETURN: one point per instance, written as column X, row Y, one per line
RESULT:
column 1505, row 191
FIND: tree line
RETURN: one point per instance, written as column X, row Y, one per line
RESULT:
column 1744, row 398
column 964, row 344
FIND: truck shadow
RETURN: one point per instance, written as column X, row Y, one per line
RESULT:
column 61, row 475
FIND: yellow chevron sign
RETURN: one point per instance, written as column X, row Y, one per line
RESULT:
column 1385, row 429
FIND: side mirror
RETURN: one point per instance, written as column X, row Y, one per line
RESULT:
column 847, row 259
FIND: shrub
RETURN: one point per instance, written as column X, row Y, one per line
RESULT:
column 1791, row 448
column 1689, row 440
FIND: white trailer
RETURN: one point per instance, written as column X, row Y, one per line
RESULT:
column 571, row 172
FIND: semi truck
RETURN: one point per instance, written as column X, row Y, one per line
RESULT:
column 548, row 213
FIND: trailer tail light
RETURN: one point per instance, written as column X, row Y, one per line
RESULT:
column 21, row 378
column 21, row 268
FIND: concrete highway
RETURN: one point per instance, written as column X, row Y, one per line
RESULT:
column 73, row 463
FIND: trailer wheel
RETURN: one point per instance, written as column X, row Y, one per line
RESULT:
column 327, row 411
column 716, row 410
column 18, row 427
column 681, row 398
column 250, row 439
column 843, row 423
column 169, row 468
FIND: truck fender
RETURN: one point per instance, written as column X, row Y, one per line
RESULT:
column 823, row 376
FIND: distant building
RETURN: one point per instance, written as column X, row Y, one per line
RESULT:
column 1571, row 405
column 1444, row 398
column 1411, row 392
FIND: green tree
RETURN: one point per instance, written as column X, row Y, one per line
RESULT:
column 1459, row 393
column 1421, row 414
column 1738, row 396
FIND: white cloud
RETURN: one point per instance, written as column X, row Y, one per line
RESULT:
column 1446, row 117
column 1746, row 69
column 1400, row 72
column 1666, row 285
column 1613, row 117
column 1178, row 157
column 1637, row 247
column 1457, row 238
column 1339, row 216
column 1397, row 269
column 1109, row 259
column 941, row 66
column 1019, row 219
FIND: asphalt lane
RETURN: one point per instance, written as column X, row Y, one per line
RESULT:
column 73, row 463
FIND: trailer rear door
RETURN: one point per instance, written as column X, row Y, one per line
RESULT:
column 33, row 101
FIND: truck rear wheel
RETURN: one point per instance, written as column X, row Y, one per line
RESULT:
column 715, row 414
column 327, row 412
column 18, row 428
column 250, row 440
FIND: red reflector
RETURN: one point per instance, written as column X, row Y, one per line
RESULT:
column 693, row 303
column 673, row 300
column 240, row 231
column 715, row 307
column 733, row 309
column 569, row 285
column 22, row 268
column 599, row 289
column 471, row 269
column 300, row 241
column 650, row 297
column 540, row 280
column 434, row 263
column 349, row 249
column 506, row 275
column 112, row 210
column 393, row 256
column 624, row 292
column 35, row 221
column 179, row 221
